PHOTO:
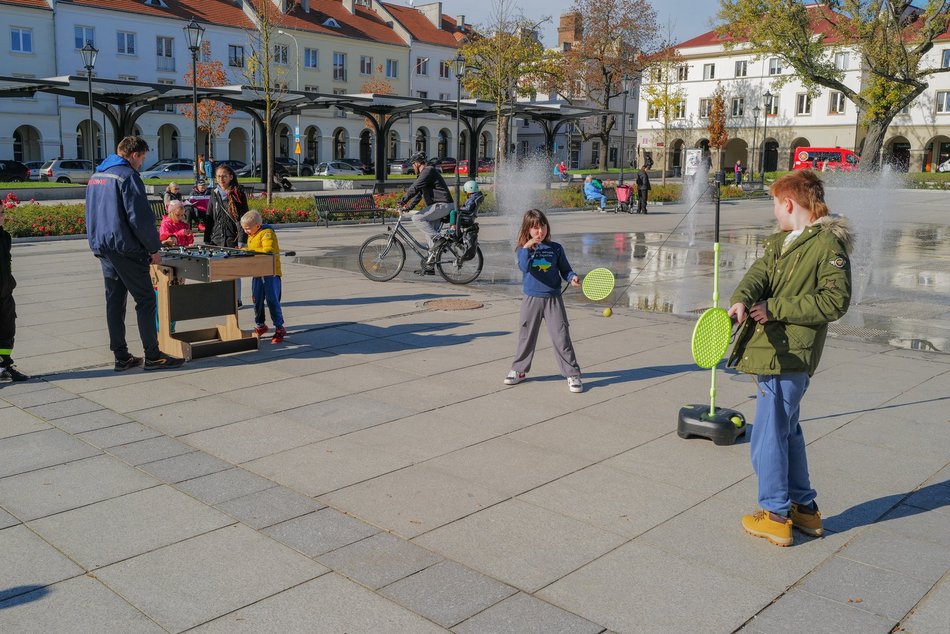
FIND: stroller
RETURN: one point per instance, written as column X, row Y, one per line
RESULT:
column 624, row 199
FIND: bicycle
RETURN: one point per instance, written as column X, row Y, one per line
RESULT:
column 383, row 256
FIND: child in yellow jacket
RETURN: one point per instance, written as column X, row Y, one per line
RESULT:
column 262, row 238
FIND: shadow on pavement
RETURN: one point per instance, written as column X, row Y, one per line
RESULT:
column 355, row 301
column 21, row 595
column 879, row 510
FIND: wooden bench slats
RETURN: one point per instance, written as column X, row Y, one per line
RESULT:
column 347, row 204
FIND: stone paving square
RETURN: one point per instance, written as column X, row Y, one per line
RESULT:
column 62, row 409
column 798, row 609
column 320, row 532
column 15, row 422
column 151, row 450
column 194, row 581
column 255, row 437
column 91, row 421
column 122, row 434
column 224, row 485
column 29, row 562
column 184, row 467
column 524, row 614
column 268, row 507
column 379, row 560
column 45, row 448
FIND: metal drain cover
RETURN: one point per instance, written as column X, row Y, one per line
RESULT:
column 452, row 304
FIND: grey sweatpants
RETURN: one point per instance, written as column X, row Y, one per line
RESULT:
column 429, row 220
column 551, row 310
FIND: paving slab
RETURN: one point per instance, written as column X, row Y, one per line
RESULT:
column 90, row 421
column 320, row 532
column 15, row 422
column 521, row 544
column 121, row 434
column 881, row 549
column 379, row 560
column 328, row 604
column 526, row 614
column 268, row 507
column 194, row 415
column 823, row 615
column 224, row 485
column 916, row 523
column 7, row 520
column 151, row 450
column 447, row 593
column 30, row 563
column 81, row 606
column 194, row 581
column 63, row 487
column 33, row 398
column 256, row 437
column 62, row 409
column 932, row 614
column 185, row 467
column 106, row 532
column 27, row 452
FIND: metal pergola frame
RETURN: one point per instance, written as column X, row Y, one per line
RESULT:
column 123, row 102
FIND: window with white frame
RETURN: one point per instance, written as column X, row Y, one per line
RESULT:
column 167, row 107
column 742, row 68
column 445, row 69
column 803, row 104
column 339, row 66
column 83, row 34
column 775, row 66
column 841, row 61
column 366, row 65
column 311, row 88
column 165, row 53
column 943, row 101
column 311, row 58
column 709, row 71
column 280, row 86
column 738, row 106
column 444, row 96
column 422, row 94
column 392, row 68
column 682, row 73
column 281, row 55
column 705, row 105
column 125, row 43
column 657, row 75
column 631, row 123
column 21, row 40
column 653, row 112
column 127, row 77
column 235, row 56
column 680, row 110
column 422, row 66
column 771, row 106
column 945, row 58
column 836, row 103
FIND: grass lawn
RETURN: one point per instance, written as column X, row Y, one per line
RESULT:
column 37, row 185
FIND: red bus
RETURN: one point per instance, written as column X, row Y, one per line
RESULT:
column 825, row 158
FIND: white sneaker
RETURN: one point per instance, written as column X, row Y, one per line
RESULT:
column 514, row 378
column 574, row 384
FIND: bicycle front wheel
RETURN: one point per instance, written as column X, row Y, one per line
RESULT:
column 382, row 257
column 451, row 266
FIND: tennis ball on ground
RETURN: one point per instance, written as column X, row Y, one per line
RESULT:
column 608, row 312
column 737, row 421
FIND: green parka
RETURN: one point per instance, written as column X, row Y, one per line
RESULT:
column 805, row 287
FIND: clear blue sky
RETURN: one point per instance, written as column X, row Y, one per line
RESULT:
column 690, row 17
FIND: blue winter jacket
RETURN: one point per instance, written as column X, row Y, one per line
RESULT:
column 544, row 266
column 592, row 192
column 118, row 217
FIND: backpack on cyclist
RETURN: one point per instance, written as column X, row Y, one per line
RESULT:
column 469, row 241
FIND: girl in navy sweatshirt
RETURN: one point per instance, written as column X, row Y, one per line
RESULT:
column 543, row 264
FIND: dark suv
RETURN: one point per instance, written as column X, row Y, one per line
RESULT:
column 13, row 172
column 290, row 164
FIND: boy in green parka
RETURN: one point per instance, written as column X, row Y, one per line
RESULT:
column 784, row 303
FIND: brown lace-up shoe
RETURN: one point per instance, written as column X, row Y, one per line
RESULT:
column 807, row 519
column 775, row 528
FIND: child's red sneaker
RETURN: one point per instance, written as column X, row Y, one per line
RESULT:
column 279, row 333
column 260, row 329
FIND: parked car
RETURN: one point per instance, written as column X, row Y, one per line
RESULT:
column 162, row 163
column 367, row 168
column 182, row 171
column 400, row 166
column 291, row 165
column 66, row 171
column 248, row 172
column 338, row 168
column 13, row 172
column 234, row 165
column 485, row 166
column 35, row 167
column 445, row 164
column 825, row 159
column 944, row 167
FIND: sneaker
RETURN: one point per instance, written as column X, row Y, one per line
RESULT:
column 279, row 333
column 807, row 519
column 574, row 384
column 260, row 329
column 514, row 378
column 775, row 528
column 11, row 374
column 128, row 363
column 163, row 362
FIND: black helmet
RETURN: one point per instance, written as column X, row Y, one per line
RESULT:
column 418, row 157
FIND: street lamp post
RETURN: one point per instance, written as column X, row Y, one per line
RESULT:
column 459, row 67
column 193, row 33
column 89, row 53
column 755, row 128
column 765, row 127
column 623, row 124
column 297, row 72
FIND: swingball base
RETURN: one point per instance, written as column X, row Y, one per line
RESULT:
column 694, row 420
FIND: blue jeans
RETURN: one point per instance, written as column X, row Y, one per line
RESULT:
column 778, row 445
column 267, row 288
column 601, row 198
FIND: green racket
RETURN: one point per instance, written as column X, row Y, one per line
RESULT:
column 598, row 284
column 711, row 337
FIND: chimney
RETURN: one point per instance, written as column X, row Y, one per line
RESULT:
column 349, row 6
column 433, row 11
column 305, row 5
column 460, row 23
column 569, row 30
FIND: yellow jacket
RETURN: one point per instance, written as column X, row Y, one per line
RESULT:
column 265, row 241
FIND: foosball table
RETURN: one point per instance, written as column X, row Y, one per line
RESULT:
column 216, row 269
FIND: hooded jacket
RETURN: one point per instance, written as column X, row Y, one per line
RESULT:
column 805, row 287
column 118, row 217
column 430, row 186
column 222, row 229
column 265, row 241
column 7, row 283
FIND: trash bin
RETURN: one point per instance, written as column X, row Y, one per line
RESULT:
column 721, row 177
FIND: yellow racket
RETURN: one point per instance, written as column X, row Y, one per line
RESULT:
column 598, row 284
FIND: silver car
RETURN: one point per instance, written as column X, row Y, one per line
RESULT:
column 66, row 171
column 338, row 168
column 182, row 171
column 35, row 167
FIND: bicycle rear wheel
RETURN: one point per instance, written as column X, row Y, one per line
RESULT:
column 381, row 260
column 451, row 266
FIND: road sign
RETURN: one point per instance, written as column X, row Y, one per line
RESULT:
column 297, row 149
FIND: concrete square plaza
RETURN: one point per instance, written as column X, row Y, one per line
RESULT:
column 372, row 474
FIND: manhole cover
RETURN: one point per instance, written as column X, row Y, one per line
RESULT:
column 452, row 304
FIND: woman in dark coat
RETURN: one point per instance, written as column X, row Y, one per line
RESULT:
column 227, row 204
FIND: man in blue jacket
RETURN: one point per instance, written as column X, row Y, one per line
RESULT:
column 121, row 229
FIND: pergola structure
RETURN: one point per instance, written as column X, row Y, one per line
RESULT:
column 123, row 102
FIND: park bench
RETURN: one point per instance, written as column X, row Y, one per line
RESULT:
column 347, row 205
column 158, row 208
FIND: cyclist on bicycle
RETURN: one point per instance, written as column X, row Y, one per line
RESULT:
column 430, row 186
